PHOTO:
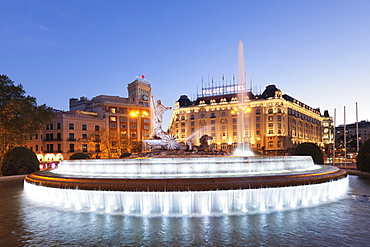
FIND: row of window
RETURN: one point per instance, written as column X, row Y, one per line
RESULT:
column 50, row 148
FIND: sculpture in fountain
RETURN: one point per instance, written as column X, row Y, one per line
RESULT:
column 160, row 139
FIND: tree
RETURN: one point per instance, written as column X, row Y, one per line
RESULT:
column 310, row 149
column 19, row 160
column 79, row 156
column 20, row 116
column 363, row 157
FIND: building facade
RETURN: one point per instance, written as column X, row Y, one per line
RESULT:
column 102, row 127
column 272, row 123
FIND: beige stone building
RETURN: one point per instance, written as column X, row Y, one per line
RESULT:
column 272, row 123
column 103, row 127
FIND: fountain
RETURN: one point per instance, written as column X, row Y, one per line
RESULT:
column 187, row 186
column 195, row 185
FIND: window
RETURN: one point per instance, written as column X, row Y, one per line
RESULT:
column 36, row 136
column 192, row 117
column 71, row 136
column 123, row 119
column 133, row 134
column 271, row 125
column 58, row 126
column 113, row 119
column 213, row 121
column 258, row 119
column 84, row 136
column 213, row 115
column 146, row 127
column 51, row 126
column 270, row 111
column 182, row 117
column 123, row 126
column 146, row 120
column 223, row 114
column 257, row 132
column 113, row 110
column 123, row 111
column 97, row 148
column 97, row 127
column 258, row 126
column 71, row 126
column 279, row 117
column 258, row 112
column 271, row 132
column 202, row 115
column 84, row 127
column 279, row 110
column 84, row 148
column 271, row 144
column 192, row 123
column 112, row 125
column 235, row 120
column 270, row 118
column 37, row 148
column 133, row 126
column 71, row 147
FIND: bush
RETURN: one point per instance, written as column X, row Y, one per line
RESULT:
column 79, row 156
column 18, row 161
column 310, row 149
column 363, row 157
column 124, row 155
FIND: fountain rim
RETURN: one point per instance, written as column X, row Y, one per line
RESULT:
column 47, row 179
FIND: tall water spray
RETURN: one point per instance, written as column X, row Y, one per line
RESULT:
column 243, row 148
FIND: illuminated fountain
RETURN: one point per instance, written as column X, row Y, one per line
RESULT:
column 187, row 186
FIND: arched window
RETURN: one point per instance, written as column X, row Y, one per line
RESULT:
column 182, row 117
column 269, row 111
column 192, row 117
column 278, row 110
column 202, row 116
column 223, row 114
column 213, row 115
column 258, row 112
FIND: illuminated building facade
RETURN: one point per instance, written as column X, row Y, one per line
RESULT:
column 103, row 127
column 275, row 122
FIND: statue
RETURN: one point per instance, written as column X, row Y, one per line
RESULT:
column 157, row 120
column 204, row 142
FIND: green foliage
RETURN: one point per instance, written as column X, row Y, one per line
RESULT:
column 79, row 156
column 363, row 157
column 310, row 149
column 124, row 155
column 20, row 116
column 19, row 160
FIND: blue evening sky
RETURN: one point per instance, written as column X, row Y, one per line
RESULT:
column 316, row 51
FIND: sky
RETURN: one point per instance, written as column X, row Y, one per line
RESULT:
column 315, row 51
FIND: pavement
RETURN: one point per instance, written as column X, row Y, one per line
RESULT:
column 11, row 178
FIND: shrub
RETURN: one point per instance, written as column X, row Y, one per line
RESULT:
column 18, row 161
column 363, row 157
column 310, row 149
column 79, row 156
column 124, row 155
